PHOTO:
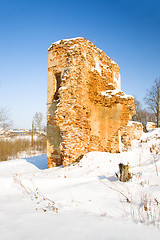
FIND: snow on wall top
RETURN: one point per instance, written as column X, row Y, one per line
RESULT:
column 65, row 40
column 130, row 123
column 70, row 40
column 119, row 93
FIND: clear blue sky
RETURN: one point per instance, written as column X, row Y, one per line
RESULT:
column 126, row 30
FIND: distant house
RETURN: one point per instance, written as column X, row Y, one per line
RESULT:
column 19, row 131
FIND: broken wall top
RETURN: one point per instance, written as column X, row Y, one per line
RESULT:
column 95, row 59
column 80, row 55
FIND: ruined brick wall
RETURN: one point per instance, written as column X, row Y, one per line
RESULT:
column 86, row 109
column 133, row 130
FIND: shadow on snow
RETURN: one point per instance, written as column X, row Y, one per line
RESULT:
column 39, row 161
column 111, row 178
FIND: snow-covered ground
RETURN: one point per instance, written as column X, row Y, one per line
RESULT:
column 83, row 201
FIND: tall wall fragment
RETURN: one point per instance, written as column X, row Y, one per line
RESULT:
column 86, row 110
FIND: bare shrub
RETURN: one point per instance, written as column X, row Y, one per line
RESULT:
column 41, row 202
column 147, row 211
column 11, row 148
column 155, row 150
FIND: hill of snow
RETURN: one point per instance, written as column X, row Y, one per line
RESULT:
column 85, row 200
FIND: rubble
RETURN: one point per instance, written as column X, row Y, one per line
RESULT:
column 150, row 126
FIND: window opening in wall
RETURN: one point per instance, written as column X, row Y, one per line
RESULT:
column 57, row 85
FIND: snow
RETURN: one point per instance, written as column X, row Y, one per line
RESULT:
column 130, row 123
column 91, row 201
column 110, row 92
column 14, row 138
column 65, row 40
column 110, row 84
column 97, row 66
column 96, row 49
column 113, row 62
column 62, row 88
column 119, row 93
column 150, row 126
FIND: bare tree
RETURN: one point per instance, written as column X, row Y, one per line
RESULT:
column 4, row 119
column 138, row 109
column 142, row 115
column 152, row 99
column 38, row 118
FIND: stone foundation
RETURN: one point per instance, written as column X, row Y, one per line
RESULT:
column 86, row 110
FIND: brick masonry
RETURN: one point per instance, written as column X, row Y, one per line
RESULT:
column 133, row 130
column 86, row 110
